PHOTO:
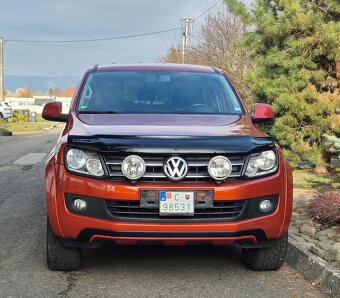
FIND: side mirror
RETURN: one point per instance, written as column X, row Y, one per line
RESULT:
column 53, row 112
column 262, row 113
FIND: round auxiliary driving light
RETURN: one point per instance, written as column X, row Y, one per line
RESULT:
column 79, row 204
column 219, row 167
column 133, row 167
column 266, row 205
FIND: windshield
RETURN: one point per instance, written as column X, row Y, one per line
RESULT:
column 159, row 92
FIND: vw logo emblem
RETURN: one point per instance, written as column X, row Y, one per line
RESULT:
column 175, row 168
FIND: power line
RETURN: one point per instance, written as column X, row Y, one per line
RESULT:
column 91, row 40
column 195, row 8
column 203, row 13
column 194, row 37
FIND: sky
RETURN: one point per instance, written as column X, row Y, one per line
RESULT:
column 89, row 19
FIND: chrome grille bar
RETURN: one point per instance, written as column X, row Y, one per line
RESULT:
column 198, row 166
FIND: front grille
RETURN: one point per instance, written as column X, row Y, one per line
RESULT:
column 198, row 167
column 131, row 210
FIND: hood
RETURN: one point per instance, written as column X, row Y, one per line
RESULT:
column 90, row 125
column 170, row 134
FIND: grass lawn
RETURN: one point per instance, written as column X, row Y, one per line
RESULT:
column 307, row 179
column 22, row 127
column 26, row 127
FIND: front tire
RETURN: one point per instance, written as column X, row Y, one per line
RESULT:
column 60, row 258
column 269, row 258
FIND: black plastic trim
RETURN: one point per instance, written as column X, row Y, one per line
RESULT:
column 78, row 244
column 86, row 234
column 260, row 244
column 173, row 145
column 97, row 208
column 262, row 120
column 60, row 118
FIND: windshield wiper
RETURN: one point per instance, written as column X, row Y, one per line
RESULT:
column 97, row 112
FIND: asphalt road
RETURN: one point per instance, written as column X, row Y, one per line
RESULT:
column 112, row 271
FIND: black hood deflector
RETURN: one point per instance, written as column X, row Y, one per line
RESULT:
column 173, row 145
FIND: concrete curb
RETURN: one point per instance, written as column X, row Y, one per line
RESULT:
column 51, row 127
column 312, row 267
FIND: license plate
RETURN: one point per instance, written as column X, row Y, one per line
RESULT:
column 176, row 203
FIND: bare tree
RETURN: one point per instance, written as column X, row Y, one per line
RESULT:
column 55, row 91
column 23, row 92
column 216, row 44
column 173, row 56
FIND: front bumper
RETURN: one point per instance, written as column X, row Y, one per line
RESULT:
column 91, row 229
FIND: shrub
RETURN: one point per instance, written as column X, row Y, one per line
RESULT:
column 17, row 117
column 326, row 209
column 294, row 46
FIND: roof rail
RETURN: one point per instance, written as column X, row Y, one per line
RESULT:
column 94, row 69
column 216, row 69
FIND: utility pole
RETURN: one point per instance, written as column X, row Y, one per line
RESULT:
column 1, row 69
column 186, row 22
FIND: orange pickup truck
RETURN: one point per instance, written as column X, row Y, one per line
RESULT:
column 165, row 154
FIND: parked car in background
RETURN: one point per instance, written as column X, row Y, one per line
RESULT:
column 6, row 110
column 165, row 154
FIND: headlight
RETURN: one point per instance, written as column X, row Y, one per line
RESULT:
column 219, row 167
column 261, row 163
column 133, row 167
column 84, row 162
column 75, row 159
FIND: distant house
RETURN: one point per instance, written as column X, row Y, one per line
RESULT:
column 36, row 103
column 41, row 100
column 21, row 102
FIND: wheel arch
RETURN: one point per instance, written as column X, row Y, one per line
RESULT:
column 51, row 195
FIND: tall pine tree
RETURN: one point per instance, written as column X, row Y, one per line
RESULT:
column 295, row 45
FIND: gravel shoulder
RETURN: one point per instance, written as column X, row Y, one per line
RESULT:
column 314, row 249
column 323, row 241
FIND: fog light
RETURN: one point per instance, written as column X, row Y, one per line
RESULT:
column 79, row 204
column 266, row 205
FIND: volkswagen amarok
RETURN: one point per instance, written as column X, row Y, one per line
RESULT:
column 165, row 154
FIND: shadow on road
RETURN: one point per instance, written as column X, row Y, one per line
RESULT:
column 158, row 257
